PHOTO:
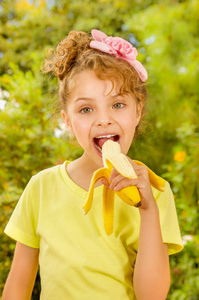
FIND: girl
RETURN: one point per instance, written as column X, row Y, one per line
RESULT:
column 102, row 96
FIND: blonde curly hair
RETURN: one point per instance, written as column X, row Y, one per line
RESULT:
column 74, row 55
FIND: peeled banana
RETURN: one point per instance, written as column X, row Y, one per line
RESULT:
column 112, row 157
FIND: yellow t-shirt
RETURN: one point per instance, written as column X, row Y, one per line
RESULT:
column 77, row 259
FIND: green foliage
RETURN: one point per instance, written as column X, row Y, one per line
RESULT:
column 166, row 35
column 185, row 273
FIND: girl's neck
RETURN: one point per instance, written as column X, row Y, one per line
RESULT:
column 81, row 171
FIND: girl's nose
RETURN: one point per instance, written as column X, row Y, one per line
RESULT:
column 104, row 121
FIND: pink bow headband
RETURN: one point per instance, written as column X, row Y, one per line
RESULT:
column 120, row 48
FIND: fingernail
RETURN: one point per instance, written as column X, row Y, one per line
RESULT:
column 111, row 186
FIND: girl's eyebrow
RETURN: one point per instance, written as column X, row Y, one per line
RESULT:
column 116, row 95
column 91, row 98
column 83, row 98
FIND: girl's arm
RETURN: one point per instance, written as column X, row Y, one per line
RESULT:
column 152, row 273
column 21, row 279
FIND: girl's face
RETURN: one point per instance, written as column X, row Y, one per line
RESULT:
column 94, row 115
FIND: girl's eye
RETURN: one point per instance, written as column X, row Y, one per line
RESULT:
column 86, row 110
column 118, row 105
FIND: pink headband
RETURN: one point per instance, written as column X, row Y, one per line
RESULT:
column 120, row 48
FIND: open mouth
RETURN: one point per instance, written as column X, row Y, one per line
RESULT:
column 100, row 140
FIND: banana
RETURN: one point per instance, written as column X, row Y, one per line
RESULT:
column 112, row 157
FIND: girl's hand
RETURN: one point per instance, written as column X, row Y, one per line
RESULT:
column 119, row 182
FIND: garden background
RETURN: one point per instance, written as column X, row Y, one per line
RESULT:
column 166, row 34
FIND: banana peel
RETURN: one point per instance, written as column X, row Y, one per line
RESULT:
column 112, row 157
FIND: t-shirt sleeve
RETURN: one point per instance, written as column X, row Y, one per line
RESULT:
column 22, row 225
column 169, row 220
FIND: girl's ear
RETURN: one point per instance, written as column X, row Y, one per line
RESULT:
column 139, row 112
column 67, row 121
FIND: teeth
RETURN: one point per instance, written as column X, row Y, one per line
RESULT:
column 108, row 136
column 98, row 147
column 105, row 136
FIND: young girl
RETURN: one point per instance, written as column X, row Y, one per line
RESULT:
column 102, row 96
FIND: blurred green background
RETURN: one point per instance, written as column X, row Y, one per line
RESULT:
column 166, row 34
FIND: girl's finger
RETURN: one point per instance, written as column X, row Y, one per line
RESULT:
column 114, row 173
column 138, row 168
column 120, row 182
column 105, row 182
column 115, row 180
column 125, row 183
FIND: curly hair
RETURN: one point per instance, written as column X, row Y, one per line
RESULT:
column 74, row 55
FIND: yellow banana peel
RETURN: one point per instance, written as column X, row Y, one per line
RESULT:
column 112, row 157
